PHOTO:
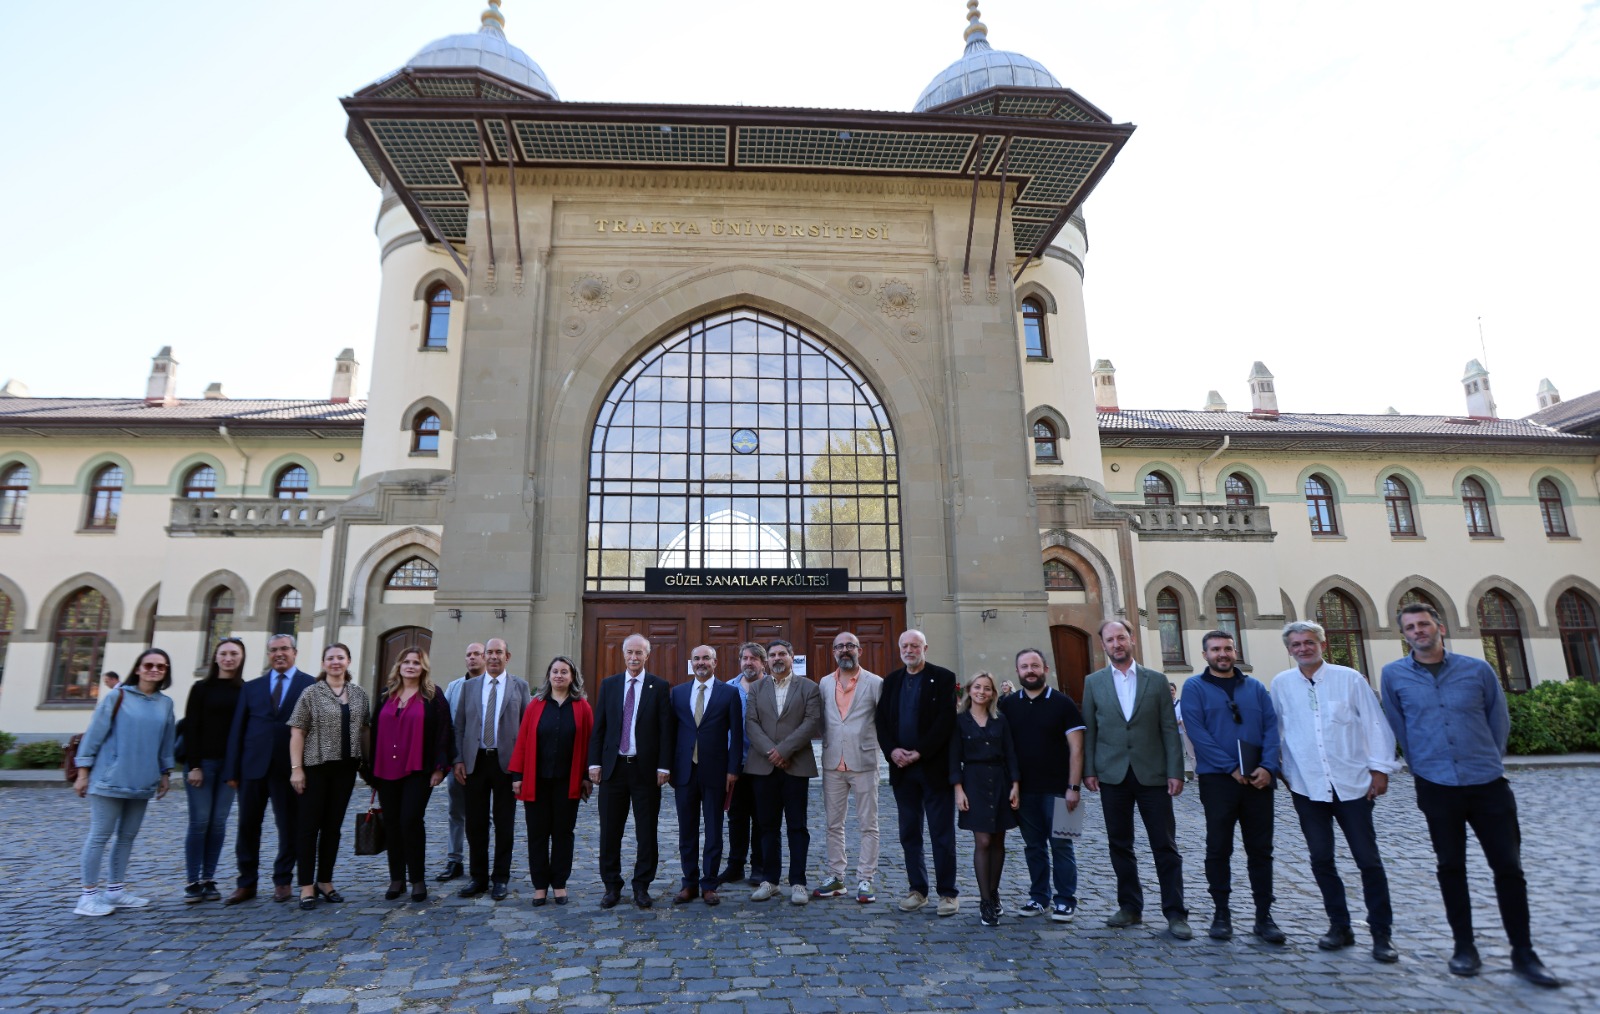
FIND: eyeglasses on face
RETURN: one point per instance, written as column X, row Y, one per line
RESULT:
column 847, row 647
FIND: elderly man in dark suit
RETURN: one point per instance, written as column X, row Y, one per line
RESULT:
column 257, row 765
column 705, row 767
column 630, row 752
column 488, row 717
column 1132, row 756
column 785, row 713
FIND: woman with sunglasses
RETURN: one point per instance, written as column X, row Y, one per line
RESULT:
column 124, row 759
column 207, row 721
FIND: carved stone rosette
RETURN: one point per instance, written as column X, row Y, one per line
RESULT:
column 897, row 298
column 590, row 292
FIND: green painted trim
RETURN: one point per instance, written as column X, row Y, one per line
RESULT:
column 10, row 458
column 269, row 474
column 1419, row 493
column 95, row 462
column 175, row 477
column 1180, row 491
column 1248, row 472
column 1491, row 484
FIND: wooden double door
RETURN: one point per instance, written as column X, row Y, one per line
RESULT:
column 675, row 626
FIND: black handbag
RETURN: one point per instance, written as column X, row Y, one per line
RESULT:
column 371, row 839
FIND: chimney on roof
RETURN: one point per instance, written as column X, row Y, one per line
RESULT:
column 1392, row 411
column 1214, row 402
column 163, row 386
column 1548, row 395
column 1105, row 386
column 214, row 392
column 1480, row 403
column 1263, row 395
column 14, row 389
column 345, row 368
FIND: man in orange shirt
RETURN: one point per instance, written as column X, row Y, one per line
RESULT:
column 850, row 760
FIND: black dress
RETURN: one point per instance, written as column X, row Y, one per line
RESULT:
column 983, row 762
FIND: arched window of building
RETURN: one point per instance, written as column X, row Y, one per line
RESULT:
column 200, row 483
column 218, row 621
column 1397, row 502
column 1580, row 635
column 1501, row 630
column 105, row 498
column 1059, row 576
column 1169, row 617
column 1475, row 504
column 438, row 335
column 1227, row 610
column 415, row 574
column 425, row 433
column 286, row 608
column 1552, row 509
column 8, row 623
column 1045, row 447
column 293, row 483
column 1239, row 490
column 1320, row 507
column 1158, row 490
column 14, row 495
column 1033, row 329
column 82, row 625
column 1340, row 616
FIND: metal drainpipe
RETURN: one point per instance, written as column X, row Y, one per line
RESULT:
column 244, row 481
column 1200, row 469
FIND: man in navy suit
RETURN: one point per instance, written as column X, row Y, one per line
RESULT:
column 257, row 766
column 705, row 769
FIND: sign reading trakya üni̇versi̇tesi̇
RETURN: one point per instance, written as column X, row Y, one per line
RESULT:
column 747, row 581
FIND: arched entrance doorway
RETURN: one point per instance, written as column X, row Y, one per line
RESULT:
column 1072, row 659
column 392, row 643
column 743, row 485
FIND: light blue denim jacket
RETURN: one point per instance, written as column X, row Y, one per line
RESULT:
column 128, row 756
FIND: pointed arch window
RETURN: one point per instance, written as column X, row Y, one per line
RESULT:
column 1475, row 505
column 1169, row 617
column 1046, row 445
column 1239, row 490
column 1058, row 576
column 415, row 574
column 1580, row 635
column 1320, row 506
column 8, row 623
column 425, row 433
column 1158, row 490
column 14, row 482
column 200, row 483
column 83, row 623
column 218, row 621
column 1340, row 617
column 1034, row 334
column 439, row 300
column 1227, row 610
column 105, row 498
column 1397, row 503
column 1552, row 509
column 286, row 608
column 1501, row 629
column 293, row 483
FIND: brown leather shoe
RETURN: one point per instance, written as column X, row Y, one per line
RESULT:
column 684, row 896
column 281, row 892
column 711, row 897
column 240, row 894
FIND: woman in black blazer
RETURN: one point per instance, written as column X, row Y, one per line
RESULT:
column 413, row 747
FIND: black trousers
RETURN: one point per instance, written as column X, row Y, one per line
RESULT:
column 552, row 820
column 920, row 792
column 744, row 832
column 322, row 808
column 1155, row 808
column 254, row 795
column 489, row 797
column 696, row 803
column 781, row 798
column 1229, row 804
column 1355, row 820
column 1491, row 811
column 405, row 805
column 631, row 785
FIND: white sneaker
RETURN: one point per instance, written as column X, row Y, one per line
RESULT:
column 122, row 899
column 765, row 892
column 94, row 904
column 798, row 895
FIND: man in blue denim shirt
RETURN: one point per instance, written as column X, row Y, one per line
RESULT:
column 1450, row 718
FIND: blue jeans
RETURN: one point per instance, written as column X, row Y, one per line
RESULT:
column 1046, row 854
column 209, row 806
column 113, row 820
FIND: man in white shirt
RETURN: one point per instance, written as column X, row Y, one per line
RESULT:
column 1337, row 752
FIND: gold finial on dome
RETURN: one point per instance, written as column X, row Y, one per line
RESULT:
column 493, row 20
column 975, row 29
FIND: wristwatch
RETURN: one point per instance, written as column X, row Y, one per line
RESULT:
column 1074, row 788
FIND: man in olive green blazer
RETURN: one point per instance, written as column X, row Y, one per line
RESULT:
column 1134, row 758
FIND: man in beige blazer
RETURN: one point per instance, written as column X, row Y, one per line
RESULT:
column 850, row 760
column 784, row 715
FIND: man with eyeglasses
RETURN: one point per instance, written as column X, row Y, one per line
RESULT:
column 850, row 760
column 1234, row 729
column 1338, row 754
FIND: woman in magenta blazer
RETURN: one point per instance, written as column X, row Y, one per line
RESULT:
column 550, row 774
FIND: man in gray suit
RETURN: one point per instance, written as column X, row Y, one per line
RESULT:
column 1133, row 757
column 490, row 713
column 850, row 760
column 785, row 713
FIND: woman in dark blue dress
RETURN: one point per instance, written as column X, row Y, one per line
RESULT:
column 983, row 769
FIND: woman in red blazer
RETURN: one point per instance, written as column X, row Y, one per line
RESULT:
column 550, row 774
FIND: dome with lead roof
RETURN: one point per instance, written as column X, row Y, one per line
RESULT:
column 982, row 67
column 486, row 49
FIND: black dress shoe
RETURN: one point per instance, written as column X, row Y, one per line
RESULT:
column 1465, row 961
column 396, row 889
column 1383, row 950
column 1338, row 937
column 332, row 897
column 641, row 897
column 1527, row 964
column 1268, row 932
column 308, row 903
column 451, row 871
column 419, row 891
column 610, row 898
column 540, row 902
column 499, row 890
column 731, row 875
column 1221, row 927
column 560, row 899
column 473, row 889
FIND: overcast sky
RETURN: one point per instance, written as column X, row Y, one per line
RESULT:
column 1341, row 190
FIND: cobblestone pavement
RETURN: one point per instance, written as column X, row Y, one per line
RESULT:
column 372, row 955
